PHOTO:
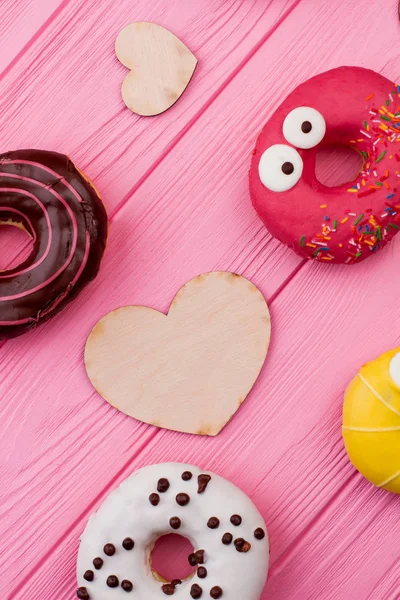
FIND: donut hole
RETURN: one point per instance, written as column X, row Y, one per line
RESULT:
column 169, row 558
column 16, row 245
column 336, row 165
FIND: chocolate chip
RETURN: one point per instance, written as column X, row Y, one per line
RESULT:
column 162, row 485
column 196, row 591
column 201, row 572
column 203, row 481
column 88, row 575
column 82, row 593
column 109, row 549
column 187, row 476
column 168, row 589
column 236, row 520
column 216, row 592
column 306, row 127
column 287, row 168
column 246, row 547
column 227, row 539
column 127, row 585
column 98, row 563
column 241, row 545
column 175, row 522
column 128, row 544
column 213, row 523
column 199, row 556
column 176, row 582
column 259, row 534
column 112, row 581
column 154, row 499
column 192, row 560
column 182, row 499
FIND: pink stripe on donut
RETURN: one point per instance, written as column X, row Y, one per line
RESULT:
column 52, row 191
column 39, row 166
column 21, row 322
column 46, row 214
column 42, row 285
column 74, row 243
column 77, row 276
column 40, row 184
column 75, row 279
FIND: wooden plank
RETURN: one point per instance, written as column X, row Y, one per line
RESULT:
column 151, row 239
column 21, row 21
column 73, row 71
column 388, row 584
column 290, row 425
column 295, row 467
column 345, row 554
column 34, row 409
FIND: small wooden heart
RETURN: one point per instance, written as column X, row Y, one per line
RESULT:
column 190, row 370
column 161, row 67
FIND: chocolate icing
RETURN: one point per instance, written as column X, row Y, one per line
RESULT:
column 45, row 193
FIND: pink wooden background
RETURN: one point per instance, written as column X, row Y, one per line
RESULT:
column 175, row 187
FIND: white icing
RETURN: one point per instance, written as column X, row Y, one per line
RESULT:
column 127, row 512
column 394, row 369
column 292, row 127
column 270, row 168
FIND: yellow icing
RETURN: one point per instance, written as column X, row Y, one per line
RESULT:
column 371, row 423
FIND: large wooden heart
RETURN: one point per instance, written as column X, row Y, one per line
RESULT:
column 161, row 67
column 190, row 370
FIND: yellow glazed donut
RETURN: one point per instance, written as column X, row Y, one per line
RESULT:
column 371, row 421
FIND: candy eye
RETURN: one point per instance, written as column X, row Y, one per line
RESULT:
column 280, row 168
column 394, row 369
column 304, row 127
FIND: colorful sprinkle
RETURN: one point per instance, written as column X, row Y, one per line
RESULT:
column 366, row 230
column 381, row 156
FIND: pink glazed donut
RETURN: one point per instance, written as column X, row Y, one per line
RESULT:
column 348, row 106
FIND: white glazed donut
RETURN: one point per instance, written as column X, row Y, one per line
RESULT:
column 228, row 534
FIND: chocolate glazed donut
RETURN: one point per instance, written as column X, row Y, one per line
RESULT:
column 45, row 194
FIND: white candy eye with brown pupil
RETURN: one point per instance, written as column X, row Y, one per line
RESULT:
column 287, row 168
column 304, row 127
column 280, row 168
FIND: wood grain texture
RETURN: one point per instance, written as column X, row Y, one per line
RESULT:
column 21, row 22
column 333, row 536
column 160, row 67
column 166, row 370
column 76, row 56
column 225, row 242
